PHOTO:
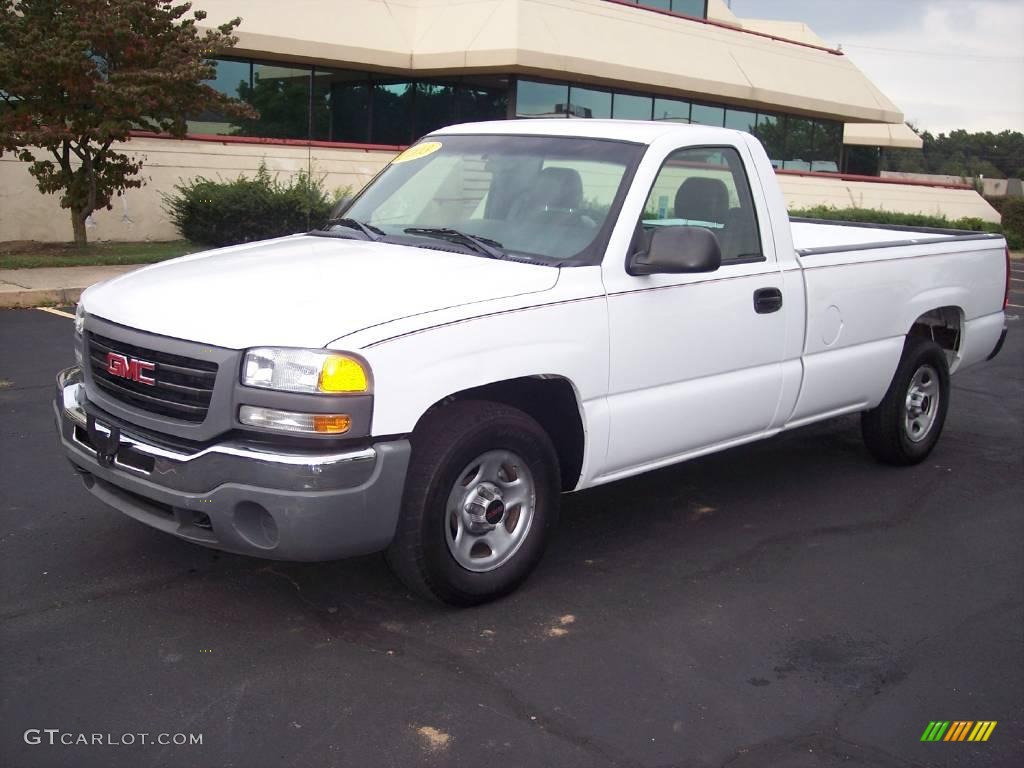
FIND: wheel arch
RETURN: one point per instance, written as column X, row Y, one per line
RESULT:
column 552, row 400
column 945, row 326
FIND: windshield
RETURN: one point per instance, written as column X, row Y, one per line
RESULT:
column 548, row 198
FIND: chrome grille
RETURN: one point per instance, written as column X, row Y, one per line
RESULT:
column 183, row 388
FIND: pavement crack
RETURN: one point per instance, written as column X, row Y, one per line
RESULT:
column 143, row 587
column 26, row 388
column 423, row 652
column 762, row 547
column 827, row 736
column 781, row 751
column 415, row 650
column 904, row 659
column 981, row 392
column 298, row 587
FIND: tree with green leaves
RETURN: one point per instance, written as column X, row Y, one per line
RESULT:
column 961, row 153
column 77, row 76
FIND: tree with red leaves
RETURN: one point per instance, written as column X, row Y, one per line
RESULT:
column 76, row 76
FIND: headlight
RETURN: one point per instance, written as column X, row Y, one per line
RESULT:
column 79, row 318
column 309, row 371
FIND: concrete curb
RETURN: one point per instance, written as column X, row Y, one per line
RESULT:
column 23, row 288
column 57, row 297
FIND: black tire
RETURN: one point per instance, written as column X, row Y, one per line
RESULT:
column 884, row 428
column 443, row 444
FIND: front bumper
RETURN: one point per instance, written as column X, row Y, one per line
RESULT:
column 283, row 505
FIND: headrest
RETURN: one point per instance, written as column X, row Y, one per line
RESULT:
column 559, row 188
column 702, row 199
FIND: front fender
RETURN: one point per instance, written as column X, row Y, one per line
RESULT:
column 417, row 370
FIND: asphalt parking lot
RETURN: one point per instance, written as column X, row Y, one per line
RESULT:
column 790, row 603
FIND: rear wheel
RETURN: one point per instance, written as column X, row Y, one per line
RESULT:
column 480, row 498
column 906, row 425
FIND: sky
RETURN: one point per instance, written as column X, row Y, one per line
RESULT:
column 947, row 64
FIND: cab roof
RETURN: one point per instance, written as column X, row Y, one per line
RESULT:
column 636, row 131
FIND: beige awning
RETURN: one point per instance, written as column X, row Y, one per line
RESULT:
column 791, row 30
column 584, row 40
column 897, row 135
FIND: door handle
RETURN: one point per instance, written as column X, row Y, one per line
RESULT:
column 767, row 300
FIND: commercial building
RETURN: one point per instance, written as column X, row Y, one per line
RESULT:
column 340, row 87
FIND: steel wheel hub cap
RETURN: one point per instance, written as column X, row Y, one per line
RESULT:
column 922, row 404
column 490, row 510
column 484, row 507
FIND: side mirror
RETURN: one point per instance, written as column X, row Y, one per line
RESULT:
column 677, row 250
column 341, row 206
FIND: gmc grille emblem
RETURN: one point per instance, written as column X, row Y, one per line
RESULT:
column 130, row 368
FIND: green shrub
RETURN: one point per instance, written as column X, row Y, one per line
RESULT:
column 219, row 213
column 1013, row 222
column 871, row 216
column 1012, row 227
column 996, row 202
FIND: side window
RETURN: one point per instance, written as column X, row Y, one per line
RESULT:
column 707, row 187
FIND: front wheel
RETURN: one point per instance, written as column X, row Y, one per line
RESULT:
column 480, row 498
column 906, row 425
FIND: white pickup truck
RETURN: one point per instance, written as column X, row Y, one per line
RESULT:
column 509, row 311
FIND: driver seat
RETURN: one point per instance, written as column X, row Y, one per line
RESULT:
column 703, row 199
column 558, row 189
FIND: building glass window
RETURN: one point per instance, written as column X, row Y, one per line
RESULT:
column 341, row 106
column 828, row 146
column 481, row 98
column 232, row 76
column 281, row 96
column 799, row 144
column 629, row 107
column 738, row 120
column 434, row 105
column 535, row 99
column 392, row 113
column 586, row 102
column 705, row 115
column 297, row 102
column 672, row 109
column 695, row 8
column 865, row 161
column 771, row 132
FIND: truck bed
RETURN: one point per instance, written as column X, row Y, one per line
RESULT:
column 866, row 286
column 811, row 236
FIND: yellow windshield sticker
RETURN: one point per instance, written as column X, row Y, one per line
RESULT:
column 418, row 151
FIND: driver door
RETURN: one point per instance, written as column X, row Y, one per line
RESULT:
column 696, row 359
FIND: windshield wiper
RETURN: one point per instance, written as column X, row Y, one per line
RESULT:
column 482, row 245
column 371, row 232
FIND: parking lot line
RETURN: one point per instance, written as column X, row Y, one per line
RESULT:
column 53, row 311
